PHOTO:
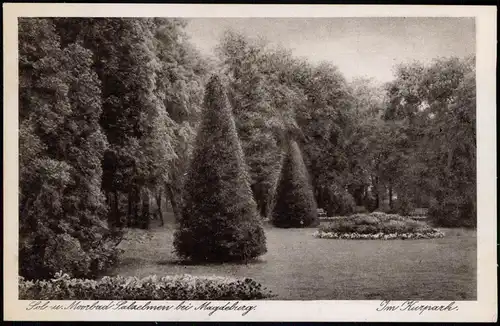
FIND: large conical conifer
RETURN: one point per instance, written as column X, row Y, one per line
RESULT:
column 295, row 205
column 219, row 221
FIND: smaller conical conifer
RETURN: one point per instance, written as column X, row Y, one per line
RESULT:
column 295, row 205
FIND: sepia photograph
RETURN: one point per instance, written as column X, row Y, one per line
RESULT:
column 229, row 160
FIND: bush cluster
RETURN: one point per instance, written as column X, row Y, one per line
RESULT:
column 178, row 287
column 403, row 206
column 41, row 257
column 370, row 202
column 453, row 212
column 360, row 209
column 340, row 201
column 376, row 225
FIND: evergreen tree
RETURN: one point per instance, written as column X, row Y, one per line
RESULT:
column 62, row 208
column 295, row 205
column 219, row 221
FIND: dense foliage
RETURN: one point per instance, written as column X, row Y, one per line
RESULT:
column 181, row 287
column 108, row 108
column 152, row 86
column 62, row 206
column 219, row 220
column 434, row 108
column 294, row 205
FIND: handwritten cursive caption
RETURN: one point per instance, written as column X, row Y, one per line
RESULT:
column 416, row 306
column 208, row 306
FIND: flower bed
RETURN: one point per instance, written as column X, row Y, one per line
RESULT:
column 378, row 236
column 330, row 218
column 404, row 218
column 177, row 287
column 376, row 226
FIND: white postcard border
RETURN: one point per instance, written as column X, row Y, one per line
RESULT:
column 484, row 309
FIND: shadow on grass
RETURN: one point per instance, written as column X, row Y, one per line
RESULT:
column 374, row 296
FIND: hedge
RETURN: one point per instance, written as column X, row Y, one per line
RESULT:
column 177, row 287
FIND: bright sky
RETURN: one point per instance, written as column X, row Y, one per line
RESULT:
column 368, row 47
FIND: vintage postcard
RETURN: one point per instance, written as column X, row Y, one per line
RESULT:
column 249, row 163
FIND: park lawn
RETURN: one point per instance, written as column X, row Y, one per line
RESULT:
column 301, row 267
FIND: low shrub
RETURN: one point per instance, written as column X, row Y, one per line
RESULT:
column 360, row 209
column 365, row 219
column 367, row 229
column 392, row 217
column 419, row 217
column 403, row 206
column 394, row 226
column 64, row 251
column 377, row 225
column 343, row 225
column 421, row 211
column 42, row 256
column 370, row 202
column 379, row 215
column 340, row 202
column 178, row 287
column 453, row 212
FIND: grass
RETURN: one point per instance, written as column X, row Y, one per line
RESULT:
column 301, row 267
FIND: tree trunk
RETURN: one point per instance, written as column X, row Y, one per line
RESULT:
column 111, row 213
column 158, row 203
column 108, row 199
column 377, row 194
column 145, row 216
column 130, row 200
column 320, row 197
column 358, row 194
column 260, row 198
column 116, row 210
column 173, row 201
column 25, row 210
column 265, row 208
column 136, row 205
column 390, row 197
column 449, row 160
column 134, row 201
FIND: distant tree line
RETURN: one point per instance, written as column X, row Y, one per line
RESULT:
column 108, row 113
column 396, row 146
